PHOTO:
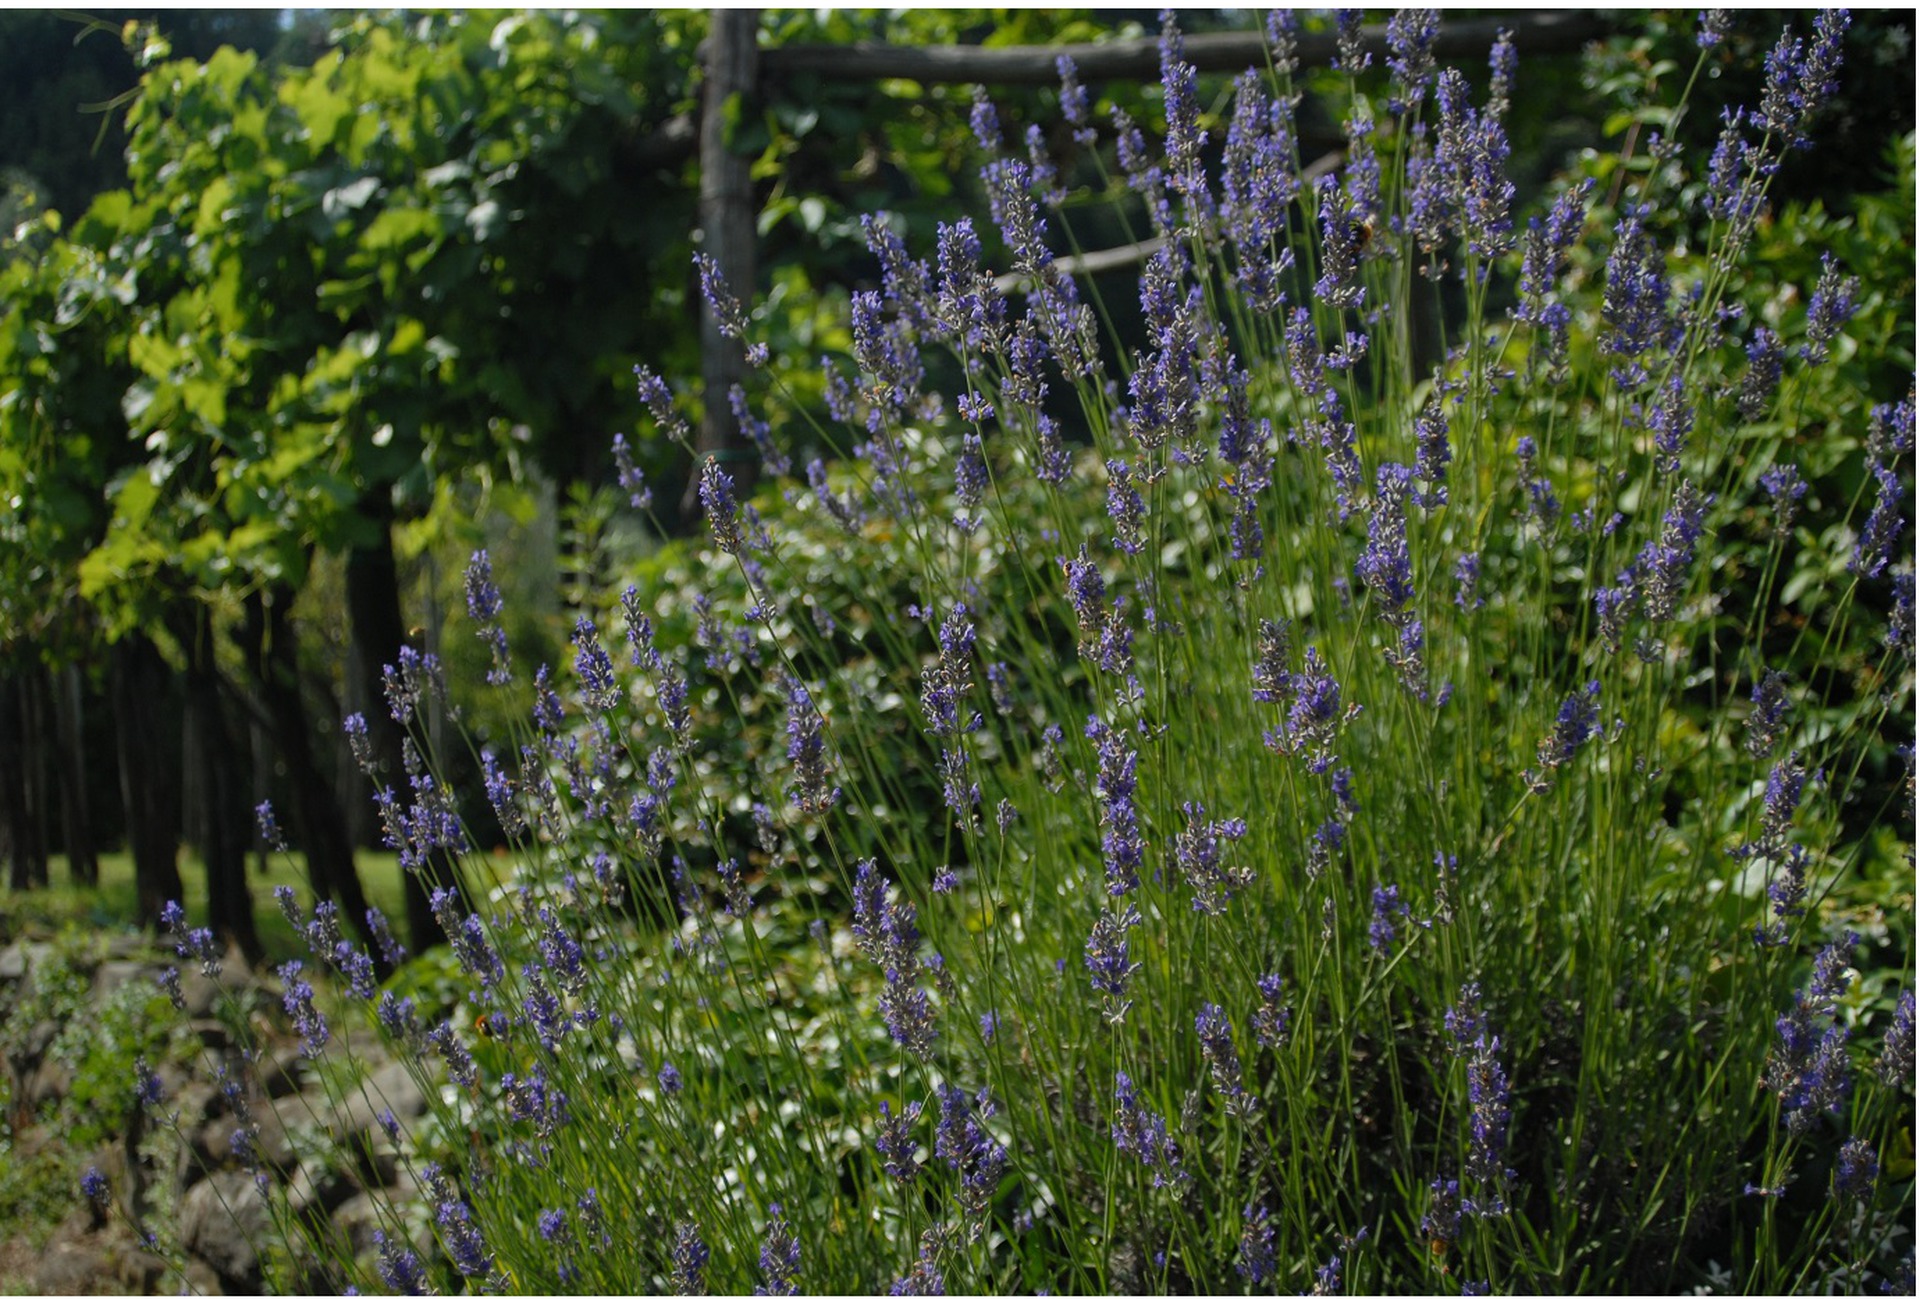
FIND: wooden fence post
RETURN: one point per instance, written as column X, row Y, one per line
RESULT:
column 727, row 225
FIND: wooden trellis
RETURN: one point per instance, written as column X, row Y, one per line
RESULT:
column 735, row 66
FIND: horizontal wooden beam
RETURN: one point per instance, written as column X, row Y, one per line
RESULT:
column 1534, row 32
column 1115, row 259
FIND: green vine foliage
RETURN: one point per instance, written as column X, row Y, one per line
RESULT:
column 432, row 256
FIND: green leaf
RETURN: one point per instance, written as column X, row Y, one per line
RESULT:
column 408, row 336
column 320, row 108
column 398, row 227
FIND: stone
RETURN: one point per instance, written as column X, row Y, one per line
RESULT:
column 220, row 1219
column 212, row 1033
column 198, row 1100
column 317, row 1188
column 84, row 1257
column 49, row 1084
column 202, row 994
column 139, row 1272
column 128, row 944
column 20, row 956
column 111, row 976
column 273, row 1143
column 390, row 1087
column 283, row 1071
column 37, row 1039
column 200, row 1280
column 73, row 1267
column 355, row 1221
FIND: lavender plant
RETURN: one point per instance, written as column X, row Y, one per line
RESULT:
column 1354, row 832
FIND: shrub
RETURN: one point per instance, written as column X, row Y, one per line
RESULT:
column 1266, row 809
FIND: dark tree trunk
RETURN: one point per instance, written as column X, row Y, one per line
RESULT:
column 141, row 689
column 727, row 220
column 316, row 824
column 26, row 839
column 222, row 788
column 36, row 714
column 262, row 746
column 373, row 605
column 83, row 866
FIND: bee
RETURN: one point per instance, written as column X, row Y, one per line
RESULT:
column 1363, row 235
column 490, row 1026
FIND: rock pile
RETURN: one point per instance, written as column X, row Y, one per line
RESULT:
column 314, row 1131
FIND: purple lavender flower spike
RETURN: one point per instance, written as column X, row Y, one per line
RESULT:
column 1121, row 843
column 1807, row 1069
column 885, row 932
column 1768, row 720
column 1074, row 103
column 896, row 1143
column 400, row 1269
column 1856, row 1171
column 1200, row 849
column 307, row 1019
column 725, row 308
column 1108, row 963
column 1831, row 306
column 1873, row 551
column 1634, row 304
column 465, row 1246
column 807, row 752
column 723, row 513
column 1785, row 487
column 963, row 1141
column 1353, row 58
column 1490, row 1107
column 1764, row 358
column 1802, row 76
column 658, row 399
column 1223, row 1061
column 1577, row 722
column 1141, row 1133
column 779, row 1256
column 1410, row 37
column 1895, row 1065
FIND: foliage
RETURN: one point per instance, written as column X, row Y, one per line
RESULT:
column 133, row 1023
column 317, row 298
column 1255, row 807
column 36, row 1190
column 55, row 991
column 61, row 74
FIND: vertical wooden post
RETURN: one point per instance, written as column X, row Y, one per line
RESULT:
column 727, row 220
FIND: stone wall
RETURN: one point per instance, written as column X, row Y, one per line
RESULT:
column 174, row 1170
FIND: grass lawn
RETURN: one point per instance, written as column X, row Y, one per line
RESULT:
column 110, row 905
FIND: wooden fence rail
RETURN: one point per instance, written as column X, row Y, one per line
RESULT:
column 727, row 208
column 1534, row 32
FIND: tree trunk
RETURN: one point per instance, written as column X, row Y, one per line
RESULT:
column 727, row 219
column 316, row 824
column 262, row 746
column 26, row 840
column 35, row 712
column 373, row 605
column 83, row 866
column 222, row 789
column 142, row 694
